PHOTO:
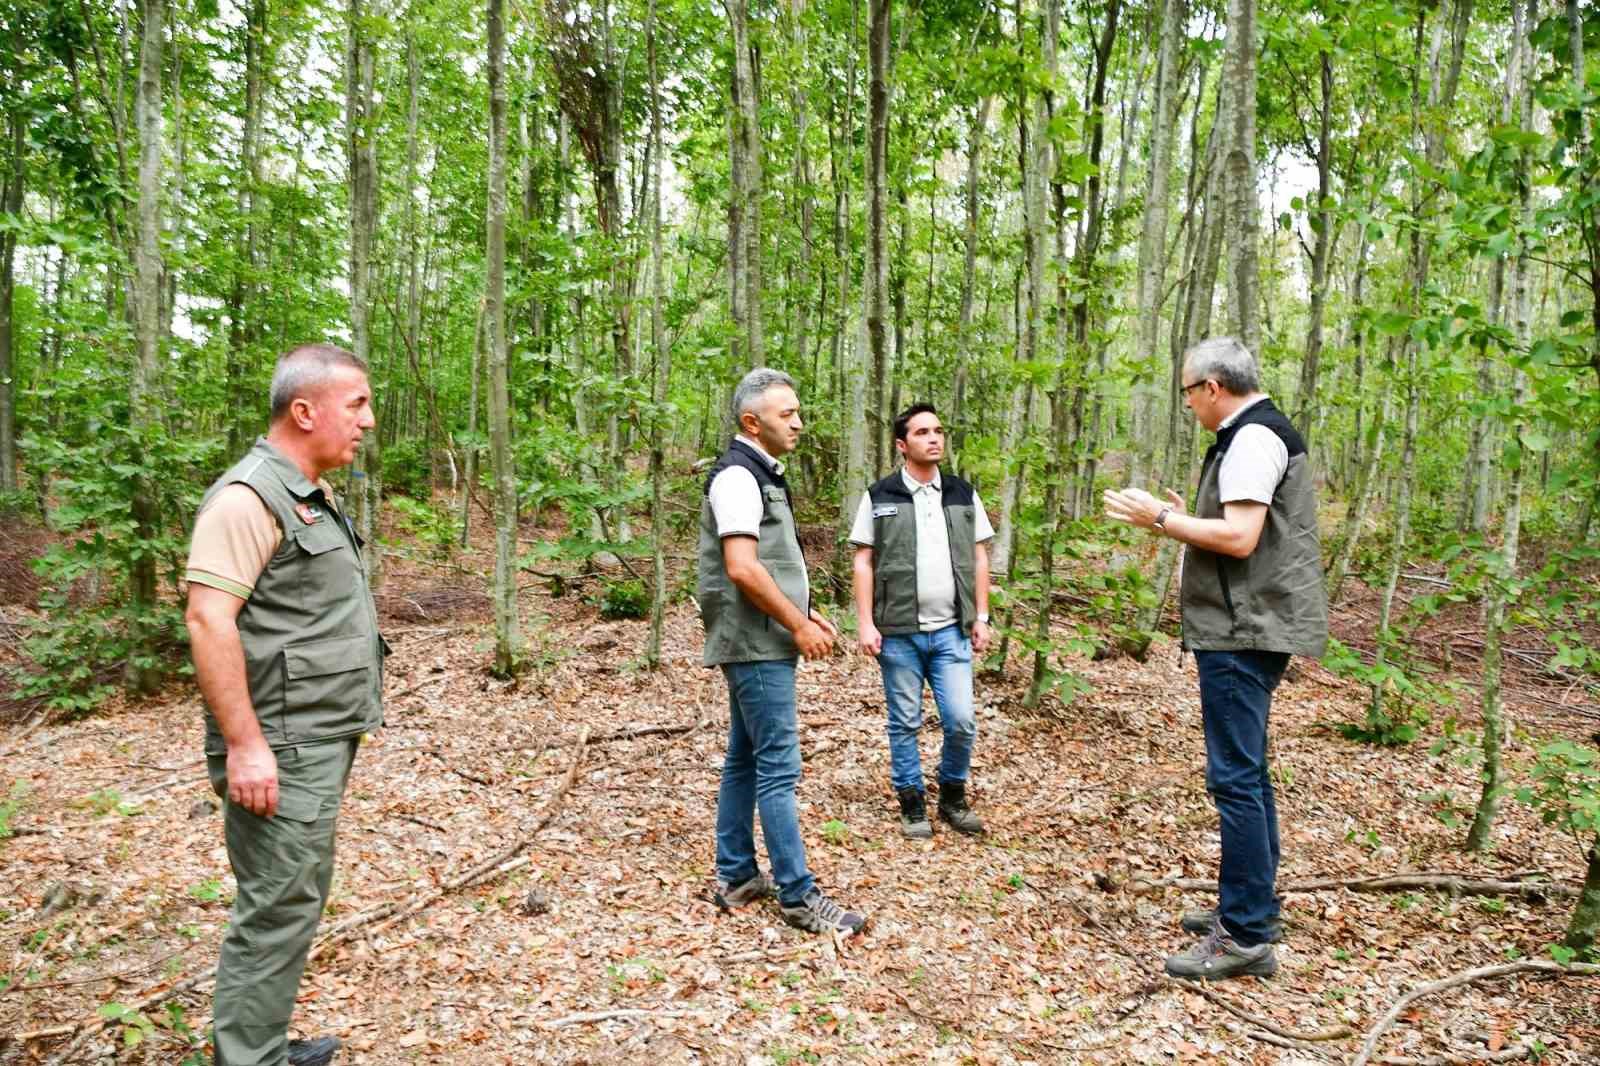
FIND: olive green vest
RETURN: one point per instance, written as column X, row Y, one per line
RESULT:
column 894, row 552
column 737, row 631
column 1273, row 599
column 312, row 654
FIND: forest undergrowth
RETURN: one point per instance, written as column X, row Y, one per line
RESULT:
column 524, row 870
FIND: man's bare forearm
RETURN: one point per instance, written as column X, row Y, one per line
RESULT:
column 219, row 670
column 862, row 575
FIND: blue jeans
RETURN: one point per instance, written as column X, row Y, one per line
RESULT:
column 761, row 769
column 1235, row 698
column 942, row 659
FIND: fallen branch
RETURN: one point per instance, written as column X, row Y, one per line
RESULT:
column 1449, row 883
column 609, row 1015
column 1465, row 977
column 1515, row 1053
column 648, row 731
column 86, row 1029
column 117, row 975
column 402, row 909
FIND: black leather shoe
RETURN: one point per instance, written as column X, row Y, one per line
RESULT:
column 318, row 1051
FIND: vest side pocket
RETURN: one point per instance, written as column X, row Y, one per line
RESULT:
column 326, row 687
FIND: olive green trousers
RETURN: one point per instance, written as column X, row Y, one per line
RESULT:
column 284, row 869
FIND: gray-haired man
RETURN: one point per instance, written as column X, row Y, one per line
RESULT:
column 1252, row 595
column 755, row 602
column 289, row 660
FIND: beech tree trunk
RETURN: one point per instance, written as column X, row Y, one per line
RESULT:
column 361, row 154
column 507, row 630
column 663, row 364
column 10, row 205
column 958, row 400
column 1243, row 220
column 144, row 394
column 744, row 200
column 876, row 286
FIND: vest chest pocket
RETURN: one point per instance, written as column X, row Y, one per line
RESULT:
column 327, row 685
column 327, row 564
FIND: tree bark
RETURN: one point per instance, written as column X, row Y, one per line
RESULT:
column 1306, row 416
column 877, row 274
column 964, row 345
column 1503, row 566
column 507, row 631
column 144, row 396
column 663, row 364
column 1243, row 219
column 744, row 202
column 362, row 159
column 11, row 206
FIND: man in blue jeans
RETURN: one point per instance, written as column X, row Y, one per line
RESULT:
column 755, row 603
column 922, row 607
column 1251, row 595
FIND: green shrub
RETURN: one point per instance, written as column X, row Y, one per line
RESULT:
column 626, row 598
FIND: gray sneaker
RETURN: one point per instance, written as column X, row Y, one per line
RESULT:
column 1199, row 921
column 819, row 914
column 914, row 814
column 728, row 897
column 1217, row 956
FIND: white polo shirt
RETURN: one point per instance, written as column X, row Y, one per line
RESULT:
column 735, row 497
column 1254, row 463
column 936, row 581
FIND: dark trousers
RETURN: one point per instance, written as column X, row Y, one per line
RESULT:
column 1235, row 697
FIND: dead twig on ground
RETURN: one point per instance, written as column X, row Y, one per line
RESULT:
column 648, row 731
column 118, row 975
column 1470, row 1058
column 1465, row 977
column 609, row 1015
column 1439, row 881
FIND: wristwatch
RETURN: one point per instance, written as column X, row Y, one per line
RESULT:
column 1161, row 519
column 983, row 616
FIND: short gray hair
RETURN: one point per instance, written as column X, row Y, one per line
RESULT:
column 304, row 369
column 1225, row 361
column 754, row 385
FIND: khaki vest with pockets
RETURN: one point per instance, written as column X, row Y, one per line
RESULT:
column 737, row 631
column 312, row 653
column 894, row 552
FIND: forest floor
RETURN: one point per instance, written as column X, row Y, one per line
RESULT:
column 598, row 943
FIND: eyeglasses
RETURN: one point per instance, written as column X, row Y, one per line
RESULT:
column 1184, row 390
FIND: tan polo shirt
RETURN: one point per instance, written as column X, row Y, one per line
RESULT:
column 234, row 539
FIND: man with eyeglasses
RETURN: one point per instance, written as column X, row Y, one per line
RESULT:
column 1251, row 596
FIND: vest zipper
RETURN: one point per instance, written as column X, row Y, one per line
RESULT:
column 1227, row 591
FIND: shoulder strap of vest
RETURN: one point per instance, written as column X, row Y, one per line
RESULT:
column 1265, row 414
column 892, row 487
column 737, row 455
column 956, row 491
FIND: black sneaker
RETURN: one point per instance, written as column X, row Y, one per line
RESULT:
column 1199, row 921
column 1217, row 956
column 914, row 814
column 819, row 914
column 953, row 808
column 318, row 1051
column 730, row 897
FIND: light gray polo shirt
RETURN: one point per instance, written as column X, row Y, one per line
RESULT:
column 936, row 580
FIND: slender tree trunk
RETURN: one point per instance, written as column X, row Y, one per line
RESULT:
column 11, row 206
column 144, row 399
column 877, row 276
column 1503, row 566
column 361, row 154
column 848, row 351
column 744, row 201
column 663, row 358
column 469, row 464
column 1306, row 416
column 802, row 178
column 964, row 339
column 507, row 631
column 1239, row 174
column 413, row 322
